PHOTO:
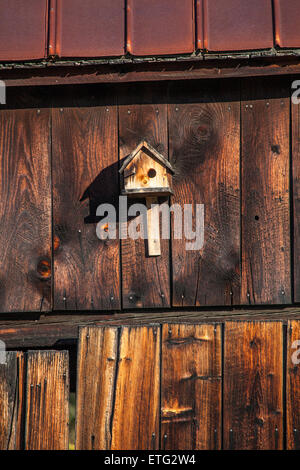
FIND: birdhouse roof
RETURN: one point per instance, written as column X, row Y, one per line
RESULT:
column 154, row 153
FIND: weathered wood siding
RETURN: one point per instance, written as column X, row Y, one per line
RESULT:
column 235, row 148
column 171, row 386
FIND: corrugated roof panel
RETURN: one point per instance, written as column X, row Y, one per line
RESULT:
column 23, row 29
column 160, row 27
column 238, row 25
column 89, row 28
column 287, row 23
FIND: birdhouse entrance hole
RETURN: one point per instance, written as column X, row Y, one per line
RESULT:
column 152, row 173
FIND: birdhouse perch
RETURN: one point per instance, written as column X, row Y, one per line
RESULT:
column 146, row 173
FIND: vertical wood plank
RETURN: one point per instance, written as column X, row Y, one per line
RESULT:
column 204, row 130
column 266, row 273
column 135, row 423
column 143, row 116
column 253, row 380
column 21, row 405
column 85, row 175
column 120, row 370
column 47, row 401
column 25, row 209
column 296, row 196
column 97, row 363
column 191, row 387
column 11, row 401
column 293, row 385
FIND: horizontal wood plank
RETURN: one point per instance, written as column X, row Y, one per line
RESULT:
column 49, row 331
column 66, row 74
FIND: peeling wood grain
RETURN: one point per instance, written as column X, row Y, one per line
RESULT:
column 253, row 386
column 47, row 400
column 191, row 386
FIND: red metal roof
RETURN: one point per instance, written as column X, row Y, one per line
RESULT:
column 287, row 23
column 36, row 29
column 237, row 25
column 159, row 27
column 88, row 28
column 23, row 29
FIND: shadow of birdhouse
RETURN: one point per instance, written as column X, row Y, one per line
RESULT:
column 104, row 189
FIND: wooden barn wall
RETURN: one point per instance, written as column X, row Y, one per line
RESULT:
column 235, row 148
column 185, row 386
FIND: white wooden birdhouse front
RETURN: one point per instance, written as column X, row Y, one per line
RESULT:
column 146, row 172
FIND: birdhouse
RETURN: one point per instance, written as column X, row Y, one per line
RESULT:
column 146, row 173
